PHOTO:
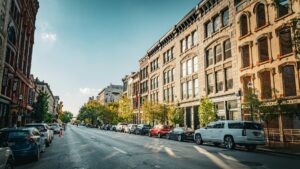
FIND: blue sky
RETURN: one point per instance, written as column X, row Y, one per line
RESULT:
column 82, row 46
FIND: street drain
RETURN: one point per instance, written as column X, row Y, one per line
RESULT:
column 251, row 164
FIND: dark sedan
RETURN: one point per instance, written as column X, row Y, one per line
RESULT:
column 142, row 129
column 181, row 134
column 24, row 142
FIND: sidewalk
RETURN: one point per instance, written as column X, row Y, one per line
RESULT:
column 280, row 148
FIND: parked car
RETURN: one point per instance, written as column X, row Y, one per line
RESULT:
column 181, row 134
column 231, row 133
column 89, row 125
column 24, row 142
column 121, row 126
column 130, row 128
column 113, row 128
column 142, row 129
column 159, row 130
column 56, row 128
column 6, row 155
column 43, row 129
column 107, row 127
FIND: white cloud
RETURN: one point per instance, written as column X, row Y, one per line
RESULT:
column 89, row 91
column 48, row 36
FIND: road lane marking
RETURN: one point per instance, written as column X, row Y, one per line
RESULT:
column 170, row 152
column 213, row 158
column 228, row 157
column 120, row 150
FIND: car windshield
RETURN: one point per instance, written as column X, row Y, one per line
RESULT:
column 17, row 134
column 39, row 127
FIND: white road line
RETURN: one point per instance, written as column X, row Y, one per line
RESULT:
column 120, row 150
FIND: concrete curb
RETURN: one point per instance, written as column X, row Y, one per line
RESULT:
column 277, row 152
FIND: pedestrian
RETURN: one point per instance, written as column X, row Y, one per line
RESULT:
column 60, row 132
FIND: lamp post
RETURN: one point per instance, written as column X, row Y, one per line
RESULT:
column 250, row 90
column 19, row 109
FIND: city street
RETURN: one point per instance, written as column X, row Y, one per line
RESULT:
column 89, row 148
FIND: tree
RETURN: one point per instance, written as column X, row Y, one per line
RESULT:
column 206, row 111
column 175, row 115
column 48, row 118
column 66, row 116
column 125, row 109
column 150, row 112
column 252, row 102
column 40, row 107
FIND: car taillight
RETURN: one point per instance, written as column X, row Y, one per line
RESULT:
column 30, row 138
column 244, row 132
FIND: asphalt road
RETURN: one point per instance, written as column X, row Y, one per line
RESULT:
column 87, row 148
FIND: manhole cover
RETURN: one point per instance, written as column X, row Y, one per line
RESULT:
column 251, row 164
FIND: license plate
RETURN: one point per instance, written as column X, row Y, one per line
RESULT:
column 256, row 133
column 11, row 143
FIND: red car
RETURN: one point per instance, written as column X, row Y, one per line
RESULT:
column 159, row 130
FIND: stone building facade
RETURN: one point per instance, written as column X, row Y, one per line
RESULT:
column 42, row 86
column 17, row 27
column 267, row 57
column 110, row 94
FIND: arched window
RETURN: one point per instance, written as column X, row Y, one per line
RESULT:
column 260, row 15
column 244, row 25
column 245, row 56
column 263, row 51
column 289, row 82
column 227, row 49
column 265, row 84
column 11, row 34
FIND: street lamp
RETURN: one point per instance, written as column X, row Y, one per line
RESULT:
column 250, row 89
column 19, row 111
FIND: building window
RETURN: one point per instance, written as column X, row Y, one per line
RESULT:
column 210, row 83
column 285, row 41
column 219, row 81
column 183, row 69
column 229, row 78
column 218, row 53
column 194, row 38
column 172, row 91
column 189, row 41
column 244, row 25
column 208, row 29
column 209, row 57
column 183, row 90
column 189, row 89
column 196, row 87
column 216, row 23
column 225, row 17
column 265, row 83
column 183, row 45
column 245, row 56
column 263, row 50
column 189, row 67
column 195, row 62
column 11, row 34
column 227, row 49
column 246, row 81
column 282, row 8
column 260, row 15
column 173, row 74
column 289, row 82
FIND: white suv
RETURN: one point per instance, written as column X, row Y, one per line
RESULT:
column 231, row 133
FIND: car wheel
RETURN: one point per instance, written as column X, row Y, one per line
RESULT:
column 179, row 137
column 198, row 139
column 159, row 135
column 9, row 164
column 250, row 147
column 37, row 155
column 229, row 142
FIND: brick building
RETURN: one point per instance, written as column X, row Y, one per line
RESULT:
column 17, row 39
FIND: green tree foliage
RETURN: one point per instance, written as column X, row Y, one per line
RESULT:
column 252, row 102
column 175, row 115
column 40, row 107
column 150, row 112
column 48, row 118
column 66, row 117
column 206, row 111
column 125, row 109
